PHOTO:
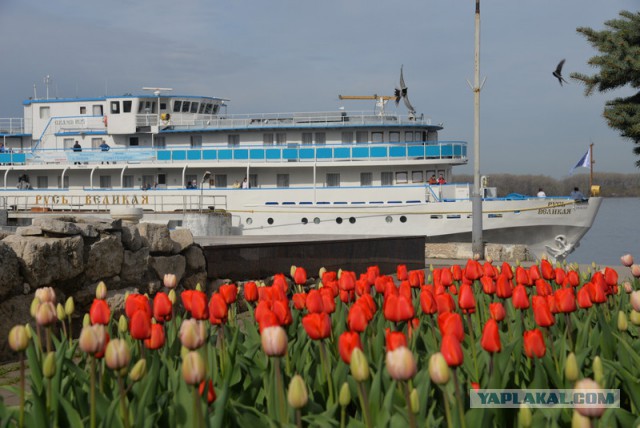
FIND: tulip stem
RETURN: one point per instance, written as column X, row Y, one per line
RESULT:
column 70, row 330
column 21, row 423
column 407, row 397
column 123, row 406
column 327, row 372
column 568, row 322
column 298, row 418
column 197, row 408
column 447, row 407
column 92, row 393
column 459, row 398
column 473, row 346
column 282, row 410
column 364, row 403
column 343, row 416
column 549, row 338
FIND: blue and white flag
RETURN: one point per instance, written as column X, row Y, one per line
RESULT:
column 585, row 161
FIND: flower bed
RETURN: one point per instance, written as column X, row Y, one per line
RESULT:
column 340, row 350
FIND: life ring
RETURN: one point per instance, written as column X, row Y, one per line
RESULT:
column 106, row 122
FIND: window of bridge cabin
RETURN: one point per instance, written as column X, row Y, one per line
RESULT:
column 185, row 106
column 105, row 182
column 134, row 141
column 394, row 137
column 67, row 143
column 417, row 177
column 127, row 181
column 377, row 137
column 194, row 107
column 233, row 140
column 386, row 178
column 177, row 106
column 83, row 110
column 126, row 106
column 401, row 177
column 42, row 181
column 97, row 110
column 66, row 182
column 95, row 142
column 282, row 180
column 196, row 141
column 267, row 139
column 115, row 107
column 362, row 137
column 366, row 178
column 163, row 106
column 321, row 138
column 333, row 179
column 202, row 107
column 307, row 138
column 281, row 138
column 408, row 136
column 208, row 108
column 220, row 180
column 347, row 137
column 147, row 180
column 162, row 180
column 160, row 143
column 253, row 180
column 44, row 112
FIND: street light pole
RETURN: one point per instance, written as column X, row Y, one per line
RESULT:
column 477, row 245
column 205, row 177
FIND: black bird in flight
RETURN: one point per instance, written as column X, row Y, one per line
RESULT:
column 558, row 73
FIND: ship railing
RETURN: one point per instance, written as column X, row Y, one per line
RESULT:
column 186, row 121
column 11, row 126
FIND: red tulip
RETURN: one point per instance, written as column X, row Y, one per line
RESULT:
column 456, row 272
column 565, row 299
column 250, row 291
column 99, row 312
column 534, row 273
column 357, row 318
column 162, row 307
column 347, row 281
column 445, row 303
column 542, row 312
column 157, row 338
column 280, row 282
column 102, row 350
column 451, row 350
column 491, row 337
column 333, row 286
column 488, row 285
column 394, row 339
column 506, row 270
column 199, row 305
column 451, row 323
column 300, row 276
column 446, row 277
column 427, row 301
column 574, row 278
column 534, row 345
column 504, row 288
column 543, row 288
column 362, row 286
column 416, row 278
column 381, row 282
column 210, row 392
column 266, row 319
column 412, row 325
column 401, row 272
column 299, row 301
column 547, row 270
column 610, row 276
column 497, row 311
column 584, row 301
column 282, row 310
column 347, row 296
column 229, row 292
column 314, row 302
column 373, row 272
column 553, row 305
column 398, row 308
column 328, row 299
column 520, row 299
column 217, row 310
column 522, row 276
column 329, row 276
column 369, row 304
column 560, row 275
column 473, row 270
column 317, row 326
column 347, row 342
column 487, row 270
column 597, row 293
column 135, row 302
column 140, row 325
column 466, row 299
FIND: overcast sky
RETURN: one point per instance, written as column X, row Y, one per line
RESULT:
column 298, row 55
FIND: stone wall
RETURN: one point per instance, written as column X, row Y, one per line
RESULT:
column 72, row 254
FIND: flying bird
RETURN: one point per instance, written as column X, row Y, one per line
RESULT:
column 558, row 73
column 402, row 93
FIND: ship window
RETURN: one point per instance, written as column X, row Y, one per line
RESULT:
column 95, row 143
column 194, row 107
column 177, row 106
column 362, row 137
column 352, row 220
column 281, row 138
column 386, row 178
column 196, row 141
column 233, row 139
column 67, row 143
column 220, row 180
column 282, row 180
column 160, row 143
column 133, row 141
column 366, row 178
column 307, row 138
column 162, row 179
column 377, row 137
column 408, row 136
column 208, row 109
column 401, row 177
column 97, row 110
column 190, row 179
column 115, row 107
column 253, row 180
column 417, row 177
column 403, row 219
column 216, row 107
column 105, row 182
column 147, row 181
column 66, row 182
column 347, row 137
column 126, row 106
column 305, row 220
column 83, row 110
column 185, row 106
column 202, row 107
column 127, row 181
column 394, row 137
column 270, row 220
column 267, row 139
column 163, row 106
column 339, row 220
column 44, row 112
column 321, row 138
column 333, row 179
column 42, row 182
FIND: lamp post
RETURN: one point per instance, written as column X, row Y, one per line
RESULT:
column 477, row 245
column 205, row 177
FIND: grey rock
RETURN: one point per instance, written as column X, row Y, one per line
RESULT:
column 194, row 257
column 56, row 226
column 13, row 311
column 10, row 278
column 183, row 237
column 189, row 282
column 29, row 231
column 88, row 230
column 131, row 237
column 105, row 258
column 134, row 265
column 162, row 265
column 158, row 237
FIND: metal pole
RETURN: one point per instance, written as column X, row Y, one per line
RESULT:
column 477, row 245
column 591, row 162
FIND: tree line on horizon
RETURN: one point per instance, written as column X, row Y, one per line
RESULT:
column 611, row 184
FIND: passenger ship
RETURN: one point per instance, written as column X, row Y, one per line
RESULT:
column 333, row 173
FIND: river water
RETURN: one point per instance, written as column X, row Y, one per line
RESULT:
column 615, row 232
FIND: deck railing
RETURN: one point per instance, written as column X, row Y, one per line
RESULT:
column 11, row 126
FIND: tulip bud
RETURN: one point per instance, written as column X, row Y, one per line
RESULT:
column 414, row 399
column 46, row 294
column 33, row 309
column 635, row 270
column 117, row 356
column 401, row 364
column 345, row 395
column 183, row 352
column 274, row 341
column 438, row 369
column 46, row 314
column 634, row 317
column 339, row 273
column 29, row 330
column 628, row 288
column 524, row 416
column 579, row 421
column 69, row 307
column 170, row 280
column 627, row 260
column 61, row 314
column 359, row 365
column 297, row 394
column 49, row 365
column 292, row 270
column 139, row 370
column 592, row 411
column 321, row 271
column 198, row 287
column 634, row 299
column 623, row 325
column 86, row 320
column 123, row 324
column 92, row 338
column 193, row 369
column 571, row 372
column 172, row 297
column 101, row 291
column 18, row 338
column 598, row 370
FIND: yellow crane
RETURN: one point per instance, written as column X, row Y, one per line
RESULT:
column 381, row 100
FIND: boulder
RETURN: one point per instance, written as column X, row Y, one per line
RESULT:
column 134, row 265
column 14, row 311
column 183, row 237
column 194, row 257
column 104, row 258
column 162, row 265
column 158, row 237
column 131, row 237
column 45, row 260
column 189, row 282
column 56, row 226
column 10, row 278
column 29, row 231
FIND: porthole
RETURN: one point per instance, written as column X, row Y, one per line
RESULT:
column 403, row 219
column 249, row 220
column 316, row 220
column 304, row 220
column 339, row 220
column 270, row 220
column 388, row 219
column 352, row 220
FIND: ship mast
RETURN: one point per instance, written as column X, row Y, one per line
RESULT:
column 477, row 245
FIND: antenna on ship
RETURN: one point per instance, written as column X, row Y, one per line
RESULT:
column 156, row 91
column 47, row 80
column 381, row 100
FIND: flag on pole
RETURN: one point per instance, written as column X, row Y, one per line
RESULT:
column 585, row 161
